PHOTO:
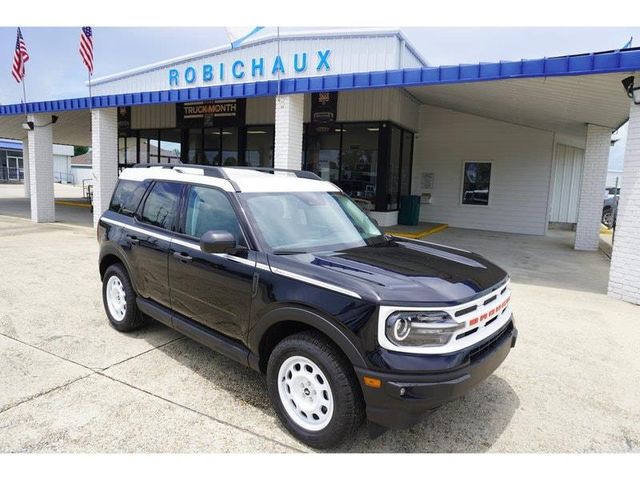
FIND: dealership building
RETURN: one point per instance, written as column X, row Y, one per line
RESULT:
column 510, row 146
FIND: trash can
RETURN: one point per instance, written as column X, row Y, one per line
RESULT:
column 409, row 213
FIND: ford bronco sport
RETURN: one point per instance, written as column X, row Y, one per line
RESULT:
column 284, row 273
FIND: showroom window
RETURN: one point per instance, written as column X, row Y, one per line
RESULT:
column 476, row 183
column 359, row 163
column 259, row 146
column 370, row 161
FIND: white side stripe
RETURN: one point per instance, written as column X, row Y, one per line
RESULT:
column 312, row 281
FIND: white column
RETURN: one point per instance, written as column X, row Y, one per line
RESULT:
column 40, row 141
column 289, row 127
column 104, row 156
column 594, row 178
column 25, row 166
column 624, row 275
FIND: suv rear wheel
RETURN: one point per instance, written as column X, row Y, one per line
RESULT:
column 120, row 300
column 607, row 217
column 313, row 390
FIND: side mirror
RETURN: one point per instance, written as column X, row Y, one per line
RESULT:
column 217, row 241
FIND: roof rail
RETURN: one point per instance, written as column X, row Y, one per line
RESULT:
column 218, row 172
column 298, row 173
column 208, row 170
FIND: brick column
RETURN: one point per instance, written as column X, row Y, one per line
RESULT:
column 25, row 167
column 40, row 141
column 624, row 275
column 594, row 178
column 104, row 155
column 289, row 127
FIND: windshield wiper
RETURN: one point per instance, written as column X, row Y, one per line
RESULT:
column 288, row 252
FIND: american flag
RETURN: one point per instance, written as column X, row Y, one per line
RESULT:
column 20, row 57
column 86, row 48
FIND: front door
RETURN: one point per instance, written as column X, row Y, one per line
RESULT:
column 212, row 289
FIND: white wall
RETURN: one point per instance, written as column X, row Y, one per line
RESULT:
column 350, row 52
column 565, row 185
column 374, row 105
column 355, row 106
column 521, row 171
column 80, row 173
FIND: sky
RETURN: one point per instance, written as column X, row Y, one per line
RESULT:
column 55, row 69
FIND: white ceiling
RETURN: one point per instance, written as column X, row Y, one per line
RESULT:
column 72, row 128
column 559, row 104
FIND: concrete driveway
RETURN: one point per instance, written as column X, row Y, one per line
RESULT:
column 70, row 383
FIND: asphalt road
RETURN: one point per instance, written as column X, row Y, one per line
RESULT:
column 71, row 383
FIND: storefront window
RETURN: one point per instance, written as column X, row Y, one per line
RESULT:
column 195, row 153
column 393, row 176
column 170, row 146
column 229, row 138
column 405, row 164
column 127, row 150
column 359, row 167
column 149, row 146
column 323, row 152
column 211, row 146
column 259, row 149
column 476, row 183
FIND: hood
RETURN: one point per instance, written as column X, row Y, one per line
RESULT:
column 400, row 271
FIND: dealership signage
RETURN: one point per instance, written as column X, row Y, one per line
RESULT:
column 211, row 113
column 258, row 68
column 324, row 107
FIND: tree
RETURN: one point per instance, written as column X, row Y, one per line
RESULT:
column 79, row 150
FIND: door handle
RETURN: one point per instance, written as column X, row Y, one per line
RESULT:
column 133, row 239
column 183, row 257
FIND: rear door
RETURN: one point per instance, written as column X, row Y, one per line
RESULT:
column 150, row 239
column 212, row 289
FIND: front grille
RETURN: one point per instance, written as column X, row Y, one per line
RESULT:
column 478, row 353
column 464, row 311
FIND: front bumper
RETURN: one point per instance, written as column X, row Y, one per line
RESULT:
column 403, row 399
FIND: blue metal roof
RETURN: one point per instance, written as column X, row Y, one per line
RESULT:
column 10, row 145
column 584, row 64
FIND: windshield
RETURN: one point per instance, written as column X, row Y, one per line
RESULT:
column 297, row 222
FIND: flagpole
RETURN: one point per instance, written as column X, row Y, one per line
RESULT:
column 90, row 95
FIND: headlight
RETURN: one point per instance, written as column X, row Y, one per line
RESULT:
column 420, row 329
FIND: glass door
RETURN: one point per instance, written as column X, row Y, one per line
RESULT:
column 14, row 168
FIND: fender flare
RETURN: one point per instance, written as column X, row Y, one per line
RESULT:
column 114, row 250
column 312, row 319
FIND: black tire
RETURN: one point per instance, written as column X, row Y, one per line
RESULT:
column 607, row 217
column 133, row 318
column 348, row 405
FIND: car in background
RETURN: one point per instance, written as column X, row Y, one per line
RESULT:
column 610, row 206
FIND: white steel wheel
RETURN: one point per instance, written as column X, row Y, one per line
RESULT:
column 305, row 393
column 116, row 298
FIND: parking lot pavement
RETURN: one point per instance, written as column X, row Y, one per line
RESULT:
column 70, row 383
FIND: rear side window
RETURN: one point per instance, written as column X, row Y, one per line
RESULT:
column 127, row 196
column 161, row 206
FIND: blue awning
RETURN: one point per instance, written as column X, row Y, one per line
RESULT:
column 614, row 61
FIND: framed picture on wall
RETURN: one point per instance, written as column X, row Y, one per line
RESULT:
column 476, row 183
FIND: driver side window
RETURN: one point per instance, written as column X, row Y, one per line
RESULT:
column 209, row 209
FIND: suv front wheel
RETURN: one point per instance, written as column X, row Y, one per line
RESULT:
column 120, row 300
column 314, row 390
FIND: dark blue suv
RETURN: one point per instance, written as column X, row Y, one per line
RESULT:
column 282, row 272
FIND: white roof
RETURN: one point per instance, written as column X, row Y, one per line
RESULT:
column 246, row 179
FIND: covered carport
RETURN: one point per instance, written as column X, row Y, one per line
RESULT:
column 575, row 100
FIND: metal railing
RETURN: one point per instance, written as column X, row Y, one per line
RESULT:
column 63, row 177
